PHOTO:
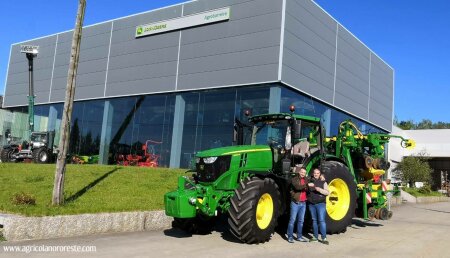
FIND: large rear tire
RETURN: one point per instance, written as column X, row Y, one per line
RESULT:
column 254, row 210
column 341, row 202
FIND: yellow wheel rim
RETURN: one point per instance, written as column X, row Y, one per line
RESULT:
column 264, row 211
column 338, row 201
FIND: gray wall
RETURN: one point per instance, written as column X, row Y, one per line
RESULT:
column 323, row 59
column 16, row 91
column 243, row 50
column 319, row 57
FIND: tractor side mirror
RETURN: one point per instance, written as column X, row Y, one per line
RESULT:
column 297, row 129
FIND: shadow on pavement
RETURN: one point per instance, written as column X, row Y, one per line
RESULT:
column 177, row 233
column 361, row 223
column 224, row 230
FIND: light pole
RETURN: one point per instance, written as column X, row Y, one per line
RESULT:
column 31, row 52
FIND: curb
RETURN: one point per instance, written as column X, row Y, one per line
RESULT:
column 429, row 199
column 432, row 199
column 17, row 228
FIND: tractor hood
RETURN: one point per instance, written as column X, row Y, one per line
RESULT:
column 232, row 150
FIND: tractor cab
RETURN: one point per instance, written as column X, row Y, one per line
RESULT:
column 41, row 139
column 292, row 138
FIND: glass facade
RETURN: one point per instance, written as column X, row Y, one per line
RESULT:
column 118, row 128
column 209, row 117
column 331, row 117
column 138, row 121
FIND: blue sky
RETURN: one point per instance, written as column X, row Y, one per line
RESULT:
column 412, row 36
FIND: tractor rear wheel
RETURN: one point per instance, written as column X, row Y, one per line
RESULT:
column 41, row 155
column 6, row 155
column 254, row 210
column 341, row 202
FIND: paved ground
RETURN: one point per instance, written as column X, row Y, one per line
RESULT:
column 414, row 231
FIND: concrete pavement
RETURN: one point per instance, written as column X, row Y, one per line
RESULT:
column 416, row 230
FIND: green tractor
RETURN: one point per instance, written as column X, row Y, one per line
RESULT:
column 250, row 182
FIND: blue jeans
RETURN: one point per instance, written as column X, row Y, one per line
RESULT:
column 297, row 212
column 318, row 212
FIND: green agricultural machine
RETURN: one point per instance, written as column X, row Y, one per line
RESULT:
column 249, row 183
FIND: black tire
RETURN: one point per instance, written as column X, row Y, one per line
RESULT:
column 243, row 210
column 41, row 155
column 198, row 225
column 337, row 174
column 6, row 155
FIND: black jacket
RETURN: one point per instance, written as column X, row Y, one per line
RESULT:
column 314, row 196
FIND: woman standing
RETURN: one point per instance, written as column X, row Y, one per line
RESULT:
column 318, row 190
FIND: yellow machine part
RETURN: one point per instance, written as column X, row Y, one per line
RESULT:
column 375, row 188
column 377, row 172
column 411, row 144
column 264, row 211
column 338, row 201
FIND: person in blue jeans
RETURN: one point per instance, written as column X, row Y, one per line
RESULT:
column 298, row 204
column 318, row 190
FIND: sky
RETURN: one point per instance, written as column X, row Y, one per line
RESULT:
column 412, row 36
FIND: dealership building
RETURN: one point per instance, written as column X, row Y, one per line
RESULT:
column 180, row 76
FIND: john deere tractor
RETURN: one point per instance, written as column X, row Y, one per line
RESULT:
column 249, row 183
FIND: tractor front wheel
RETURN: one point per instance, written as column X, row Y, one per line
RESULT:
column 41, row 155
column 341, row 202
column 254, row 210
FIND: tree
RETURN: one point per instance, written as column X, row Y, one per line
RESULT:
column 425, row 124
column 414, row 169
column 58, row 187
column 406, row 125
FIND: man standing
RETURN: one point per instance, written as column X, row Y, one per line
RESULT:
column 298, row 204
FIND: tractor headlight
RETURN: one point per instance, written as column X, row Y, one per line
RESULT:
column 209, row 160
column 197, row 160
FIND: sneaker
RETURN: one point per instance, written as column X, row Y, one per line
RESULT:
column 325, row 241
column 291, row 240
column 301, row 239
column 313, row 239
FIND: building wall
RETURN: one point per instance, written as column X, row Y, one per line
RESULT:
column 264, row 41
column 243, row 50
column 184, row 89
column 323, row 59
column 432, row 143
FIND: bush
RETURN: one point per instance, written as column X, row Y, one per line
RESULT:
column 414, row 169
column 425, row 189
column 417, row 192
column 23, row 199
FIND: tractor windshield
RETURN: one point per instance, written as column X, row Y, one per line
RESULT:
column 273, row 133
column 38, row 137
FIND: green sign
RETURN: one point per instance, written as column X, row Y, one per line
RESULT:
column 217, row 15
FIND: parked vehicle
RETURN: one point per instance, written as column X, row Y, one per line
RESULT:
column 250, row 183
column 40, row 149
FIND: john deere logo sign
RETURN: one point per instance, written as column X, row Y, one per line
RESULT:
column 222, row 14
